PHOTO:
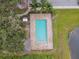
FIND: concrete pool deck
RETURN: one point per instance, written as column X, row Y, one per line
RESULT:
column 42, row 46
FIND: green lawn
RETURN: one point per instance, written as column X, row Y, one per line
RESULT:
column 64, row 22
column 29, row 57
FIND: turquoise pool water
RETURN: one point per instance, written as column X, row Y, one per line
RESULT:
column 41, row 31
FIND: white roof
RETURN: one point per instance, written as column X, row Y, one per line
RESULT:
column 25, row 19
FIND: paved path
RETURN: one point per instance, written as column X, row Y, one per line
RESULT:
column 27, row 47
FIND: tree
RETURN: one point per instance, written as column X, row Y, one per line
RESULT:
column 7, row 6
column 12, row 34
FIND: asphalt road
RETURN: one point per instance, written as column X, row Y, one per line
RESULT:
column 64, row 2
column 74, row 43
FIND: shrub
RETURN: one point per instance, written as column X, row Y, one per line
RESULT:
column 42, row 6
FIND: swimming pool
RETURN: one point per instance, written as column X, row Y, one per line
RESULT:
column 41, row 30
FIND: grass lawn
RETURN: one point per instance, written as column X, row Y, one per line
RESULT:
column 64, row 22
column 28, row 57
